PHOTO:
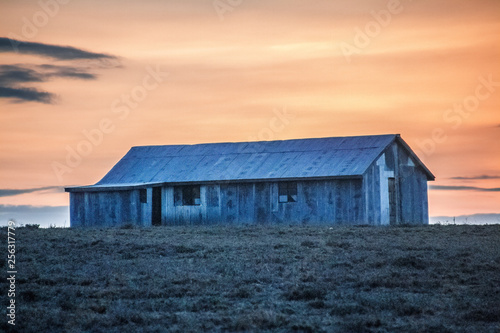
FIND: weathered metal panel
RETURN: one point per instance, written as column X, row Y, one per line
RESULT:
column 249, row 168
column 324, row 157
column 203, row 163
column 412, row 190
column 229, row 203
column 213, row 209
column 245, row 203
column 106, row 209
column 407, row 195
column 358, row 202
column 309, row 203
column 125, row 206
column 169, row 205
column 77, row 209
column 321, row 202
column 328, row 205
column 203, row 205
column 135, row 207
column 371, row 183
column 343, row 197
column 95, row 205
column 212, row 192
column 303, row 166
column 216, row 166
column 262, row 208
column 276, row 165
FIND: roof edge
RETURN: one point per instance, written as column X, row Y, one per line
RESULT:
column 263, row 141
column 397, row 138
column 430, row 175
column 124, row 187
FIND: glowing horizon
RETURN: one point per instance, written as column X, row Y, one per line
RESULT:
column 183, row 72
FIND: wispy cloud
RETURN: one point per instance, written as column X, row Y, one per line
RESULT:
column 11, row 74
column 12, row 192
column 48, row 50
column 481, row 177
column 463, row 188
column 27, row 95
column 67, row 72
column 14, row 76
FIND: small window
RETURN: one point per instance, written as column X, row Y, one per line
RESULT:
column 143, row 194
column 287, row 192
column 187, row 196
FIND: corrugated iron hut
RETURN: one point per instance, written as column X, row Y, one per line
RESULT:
column 375, row 180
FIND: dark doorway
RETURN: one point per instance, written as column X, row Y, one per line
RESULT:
column 392, row 201
column 156, row 208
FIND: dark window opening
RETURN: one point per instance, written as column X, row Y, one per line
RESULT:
column 187, row 196
column 287, row 192
column 143, row 194
column 156, row 206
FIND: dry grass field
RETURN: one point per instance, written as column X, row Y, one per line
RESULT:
column 264, row 279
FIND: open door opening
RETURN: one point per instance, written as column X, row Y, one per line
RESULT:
column 156, row 206
column 392, row 201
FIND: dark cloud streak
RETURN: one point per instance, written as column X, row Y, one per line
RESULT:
column 10, row 74
column 66, row 72
column 27, row 95
column 47, row 50
column 463, row 188
column 481, row 177
column 74, row 74
column 16, row 74
column 12, row 192
column 13, row 77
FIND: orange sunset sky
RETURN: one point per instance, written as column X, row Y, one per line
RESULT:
column 83, row 81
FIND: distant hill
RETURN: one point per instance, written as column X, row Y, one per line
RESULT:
column 467, row 219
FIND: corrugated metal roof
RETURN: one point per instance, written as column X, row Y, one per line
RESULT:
column 323, row 157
